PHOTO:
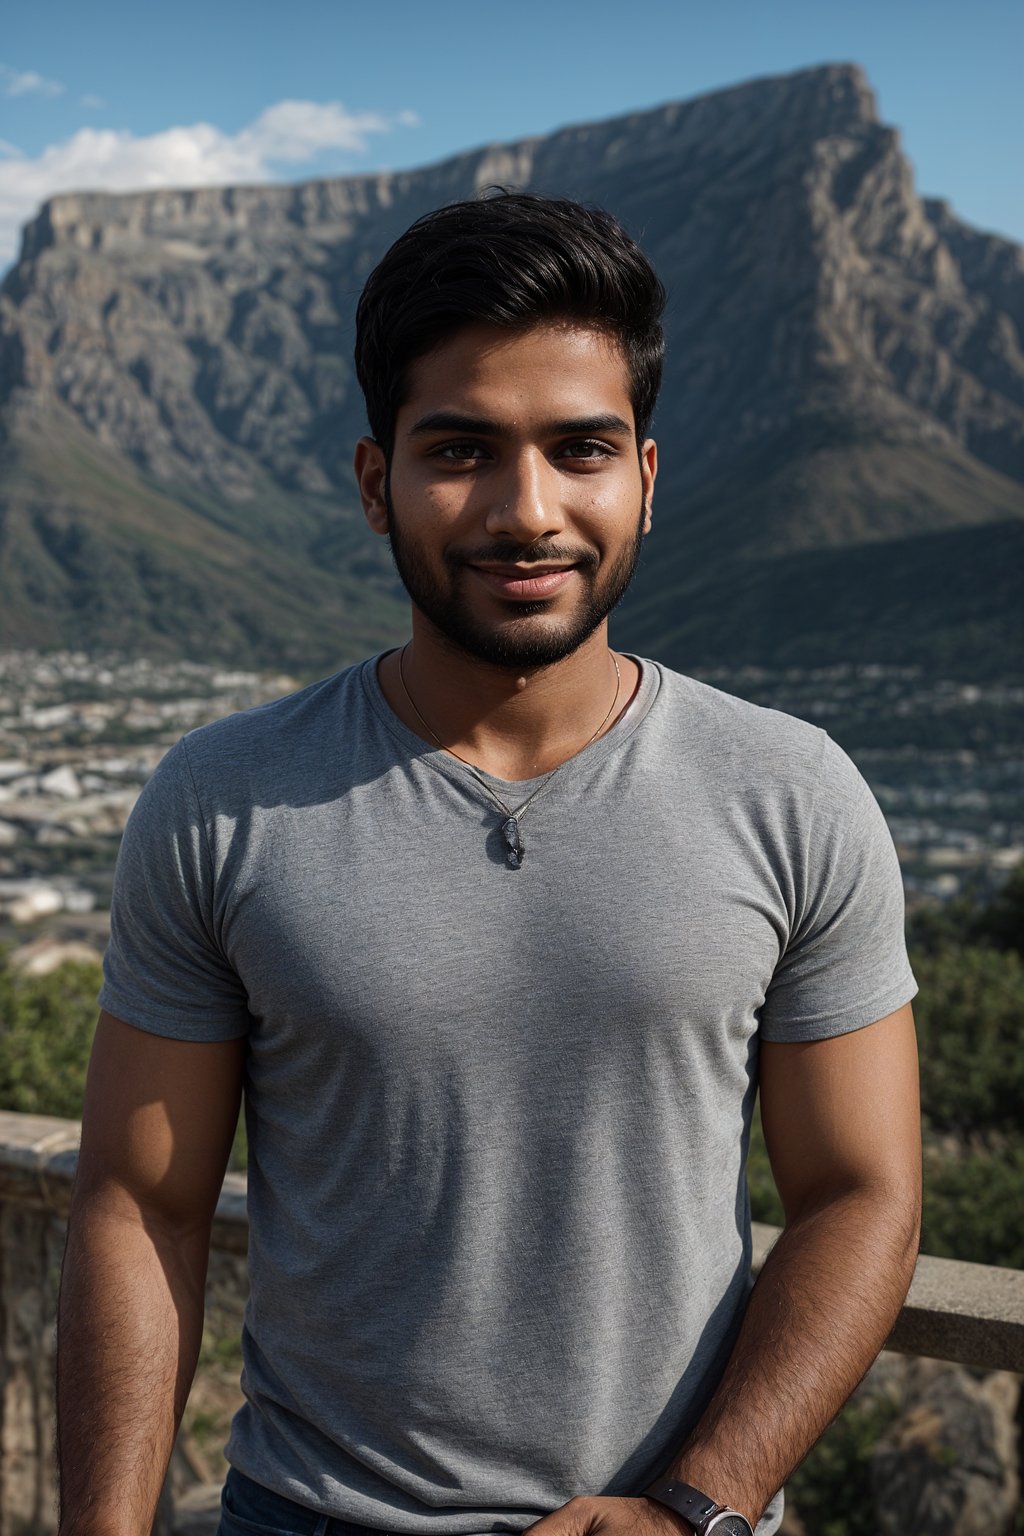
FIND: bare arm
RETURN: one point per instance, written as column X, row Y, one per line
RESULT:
column 156, row 1133
column 842, row 1125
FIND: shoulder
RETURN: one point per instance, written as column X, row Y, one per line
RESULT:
column 286, row 752
column 768, row 760
column 278, row 743
column 708, row 721
column 267, row 724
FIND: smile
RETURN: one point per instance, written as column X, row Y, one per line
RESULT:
column 523, row 583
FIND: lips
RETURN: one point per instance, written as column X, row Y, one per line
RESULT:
column 521, row 584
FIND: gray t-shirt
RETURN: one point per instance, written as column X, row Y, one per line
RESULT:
column 498, row 1119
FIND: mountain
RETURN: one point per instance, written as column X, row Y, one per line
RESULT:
column 841, row 429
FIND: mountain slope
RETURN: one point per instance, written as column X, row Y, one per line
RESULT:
column 844, row 392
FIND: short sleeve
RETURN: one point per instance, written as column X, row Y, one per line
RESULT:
column 845, row 963
column 164, row 970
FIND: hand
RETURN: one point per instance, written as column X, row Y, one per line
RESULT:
column 586, row 1516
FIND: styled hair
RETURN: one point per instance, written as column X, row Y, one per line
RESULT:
column 509, row 259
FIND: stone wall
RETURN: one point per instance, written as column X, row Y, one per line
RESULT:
column 31, row 1245
column 38, row 1156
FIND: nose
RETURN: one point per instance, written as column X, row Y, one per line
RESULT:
column 527, row 503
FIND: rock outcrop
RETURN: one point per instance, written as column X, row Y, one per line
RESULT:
column 948, row 1464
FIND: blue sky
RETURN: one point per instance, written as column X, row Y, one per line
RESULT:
column 124, row 95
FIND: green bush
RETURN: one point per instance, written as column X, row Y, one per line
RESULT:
column 972, row 1203
column 970, row 1029
column 1002, row 922
column 46, row 1029
column 970, row 919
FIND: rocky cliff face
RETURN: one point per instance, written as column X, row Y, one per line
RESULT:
column 844, row 395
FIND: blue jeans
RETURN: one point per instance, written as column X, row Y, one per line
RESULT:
column 247, row 1509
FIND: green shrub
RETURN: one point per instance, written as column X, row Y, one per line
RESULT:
column 970, row 1029
column 1002, row 922
column 46, row 1029
column 972, row 1203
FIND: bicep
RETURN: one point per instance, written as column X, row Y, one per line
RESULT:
column 158, row 1121
column 843, row 1114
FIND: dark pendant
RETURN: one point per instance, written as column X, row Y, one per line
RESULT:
column 513, row 843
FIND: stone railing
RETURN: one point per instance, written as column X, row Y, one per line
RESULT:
column 38, row 1157
column 965, row 1313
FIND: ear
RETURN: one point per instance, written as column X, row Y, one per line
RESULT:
column 648, row 475
column 371, row 476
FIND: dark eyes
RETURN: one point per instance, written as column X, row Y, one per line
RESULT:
column 463, row 453
column 590, row 449
column 472, row 452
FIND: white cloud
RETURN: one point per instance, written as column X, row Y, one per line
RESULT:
column 289, row 133
column 25, row 82
column 92, row 103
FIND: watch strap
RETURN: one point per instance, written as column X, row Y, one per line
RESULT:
column 695, row 1507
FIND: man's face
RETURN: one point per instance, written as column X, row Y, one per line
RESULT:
column 516, row 502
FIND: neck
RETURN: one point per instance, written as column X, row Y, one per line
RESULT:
column 515, row 725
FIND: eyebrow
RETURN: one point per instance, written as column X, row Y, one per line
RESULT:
column 481, row 426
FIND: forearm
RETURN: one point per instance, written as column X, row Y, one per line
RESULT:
column 129, row 1329
column 818, row 1315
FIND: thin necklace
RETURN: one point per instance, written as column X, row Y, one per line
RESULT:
column 515, row 848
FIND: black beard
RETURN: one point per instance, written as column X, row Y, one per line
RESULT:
column 515, row 645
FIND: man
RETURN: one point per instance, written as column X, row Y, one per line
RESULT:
column 500, row 930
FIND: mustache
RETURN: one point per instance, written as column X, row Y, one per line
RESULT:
column 524, row 554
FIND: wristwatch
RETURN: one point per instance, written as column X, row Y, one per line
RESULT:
column 701, row 1512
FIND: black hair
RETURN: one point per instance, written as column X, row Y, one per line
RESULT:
column 510, row 259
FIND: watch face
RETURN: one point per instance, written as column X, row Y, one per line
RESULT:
column 729, row 1524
